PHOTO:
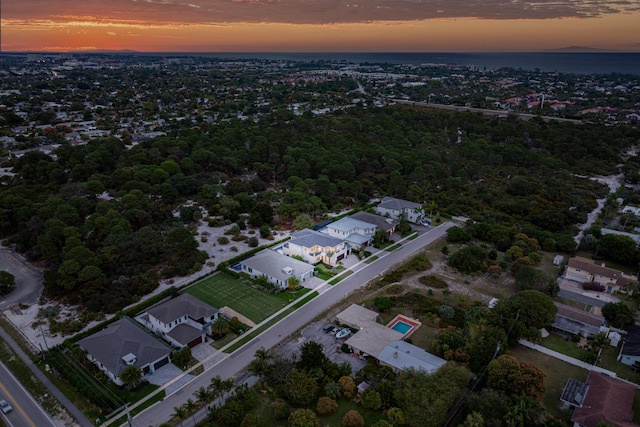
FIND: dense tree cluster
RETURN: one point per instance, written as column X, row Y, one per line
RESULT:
column 507, row 172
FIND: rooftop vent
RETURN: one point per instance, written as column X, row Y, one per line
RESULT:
column 129, row 359
column 288, row 270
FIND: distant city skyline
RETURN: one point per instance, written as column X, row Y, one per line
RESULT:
column 319, row 25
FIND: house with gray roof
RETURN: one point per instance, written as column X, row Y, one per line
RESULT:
column 276, row 267
column 400, row 355
column 124, row 343
column 387, row 224
column 314, row 247
column 354, row 231
column 398, row 208
column 182, row 321
column 630, row 353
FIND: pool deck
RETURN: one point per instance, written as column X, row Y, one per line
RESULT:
column 415, row 324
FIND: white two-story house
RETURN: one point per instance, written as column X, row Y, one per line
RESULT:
column 354, row 231
column 314, row 247
column 397, row 208
column 182, row 321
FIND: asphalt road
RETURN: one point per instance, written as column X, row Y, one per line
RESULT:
column 26, row 411
column 486, row 111
column 28, row 279
column 329, row 296
column 581, row 298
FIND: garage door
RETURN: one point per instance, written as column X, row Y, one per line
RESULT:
column 160, row 363
column 195, row 342
column 575, row 277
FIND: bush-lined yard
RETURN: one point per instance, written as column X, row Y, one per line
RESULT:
column 223, row 290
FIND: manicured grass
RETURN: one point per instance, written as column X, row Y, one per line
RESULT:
column 557, row 374
column 288, row 297
column 223, row 290
column 258, row 330
column 393, row 248
column 370, row 259
column 609, row 360
column 342, row 277
column 413, row 236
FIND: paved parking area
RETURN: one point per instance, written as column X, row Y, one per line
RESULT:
column 313, row 332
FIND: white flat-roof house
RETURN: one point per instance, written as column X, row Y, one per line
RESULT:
column 397, row 208
column 354, row 231
column 314, row 247
column 182, row 321
column 277, row 268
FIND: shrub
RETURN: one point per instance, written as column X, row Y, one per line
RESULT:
column 396, row 417
column 447, row 312
column 352, row 419
column 371, row 399
column 591, row 286
column 280, row 409
column 326, row 405
column 265, row 231
column 348, row 386
column 332, row 390
column 303, row 418
column 382, row 303
column 253, row 242
column 223, row 240
column 433, row 282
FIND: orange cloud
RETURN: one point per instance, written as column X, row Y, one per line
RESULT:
column 329, row 25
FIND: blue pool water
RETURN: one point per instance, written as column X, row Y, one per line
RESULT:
column 402, row 327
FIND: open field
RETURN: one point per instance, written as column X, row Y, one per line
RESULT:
column 222, row 290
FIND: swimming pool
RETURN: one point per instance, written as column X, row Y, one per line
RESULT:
column 402, row 327
column 403, row 324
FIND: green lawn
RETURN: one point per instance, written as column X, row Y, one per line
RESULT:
column 222, row 290
column 557, row 373
column 568, row 347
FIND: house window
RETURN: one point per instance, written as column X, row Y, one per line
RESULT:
column 250, row 270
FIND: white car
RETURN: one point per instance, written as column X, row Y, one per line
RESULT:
column 5, row 407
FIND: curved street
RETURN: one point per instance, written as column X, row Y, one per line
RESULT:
column 28, row 279
column 329, row 296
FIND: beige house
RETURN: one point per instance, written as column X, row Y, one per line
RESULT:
column 583, row 270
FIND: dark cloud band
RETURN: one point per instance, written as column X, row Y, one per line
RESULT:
column 309, row 11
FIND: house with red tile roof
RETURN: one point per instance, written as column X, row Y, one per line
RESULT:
column 607, row 400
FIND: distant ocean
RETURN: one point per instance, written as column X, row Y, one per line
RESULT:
column 564, row 62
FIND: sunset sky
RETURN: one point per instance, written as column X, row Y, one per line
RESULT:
column 319, row 25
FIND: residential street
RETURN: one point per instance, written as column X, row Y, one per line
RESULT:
column 28, row 279
column 329, row 296
column 26, row 411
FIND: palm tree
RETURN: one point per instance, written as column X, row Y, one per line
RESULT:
column 220, row 326
column 131, row 376
column 179, row 413
column 205, row 396
column 260, row 365
column 190, row 408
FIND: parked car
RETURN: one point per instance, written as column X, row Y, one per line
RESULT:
column 328, row 327
column 425, row 222
column 5, row 407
